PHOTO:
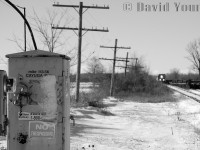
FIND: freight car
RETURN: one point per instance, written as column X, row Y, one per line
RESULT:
column 193, row 84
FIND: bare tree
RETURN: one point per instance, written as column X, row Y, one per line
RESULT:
column 193, row 50
column 174, row 74
column 136, row 64
column 19, row 42
column 50, row 38
column 95, row 66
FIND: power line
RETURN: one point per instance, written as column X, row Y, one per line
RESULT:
column 126, row 65
column 111, row 59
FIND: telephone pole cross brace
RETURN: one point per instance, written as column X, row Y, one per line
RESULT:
column 80, row 29
column 114, row 61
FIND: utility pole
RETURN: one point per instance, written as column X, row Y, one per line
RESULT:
column 114, row 61
column 78, row 73
column 121, row 59
column 80, row 29
column 26, row 22
column 24, row 26
column 136, row 61
column 24, row 30
column 126, row 65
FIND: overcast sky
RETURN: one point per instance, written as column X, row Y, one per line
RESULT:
column 160, row 36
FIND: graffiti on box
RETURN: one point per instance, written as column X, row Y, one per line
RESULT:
column 40, row 88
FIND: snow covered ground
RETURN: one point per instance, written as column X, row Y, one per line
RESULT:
column 139, row 126
column 84, row 87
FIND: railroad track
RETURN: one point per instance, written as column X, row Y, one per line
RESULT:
column 194, row 94
column 197, row 92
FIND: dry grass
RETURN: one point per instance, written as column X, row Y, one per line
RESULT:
column 105, row 112
column 93, row 98
column 148, row 98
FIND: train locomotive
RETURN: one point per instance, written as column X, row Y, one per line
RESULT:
column 162, row 77
column 191, row 84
